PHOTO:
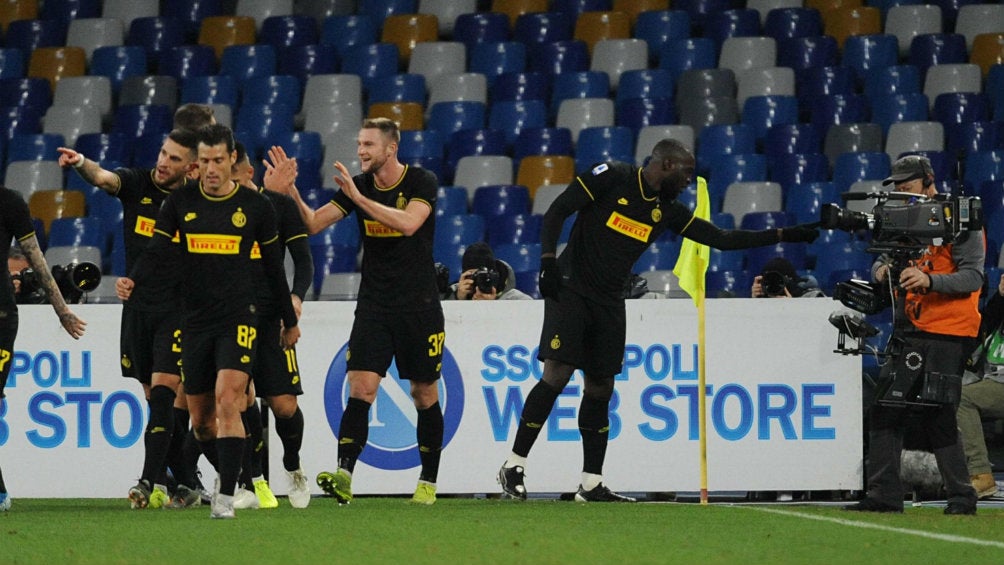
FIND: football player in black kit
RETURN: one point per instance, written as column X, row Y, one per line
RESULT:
column 398, row 314
column 217, row 222
column 621, row 210
column 150, row 340
column 15, row 223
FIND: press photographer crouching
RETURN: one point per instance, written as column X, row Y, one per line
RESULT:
column 932, row 268
column 74, row 280
column 484, row 277
column 779, row 279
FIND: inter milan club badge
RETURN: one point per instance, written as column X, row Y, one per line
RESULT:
column 401, row 202
column 239, row 219
column 656, row 215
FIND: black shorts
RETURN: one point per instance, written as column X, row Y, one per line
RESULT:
column 414, row 339
column 151, row 343
column 207, row 350
column 276, row 370
column 585, row 334
column 8, row 332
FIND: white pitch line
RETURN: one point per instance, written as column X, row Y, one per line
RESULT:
column 867, row 525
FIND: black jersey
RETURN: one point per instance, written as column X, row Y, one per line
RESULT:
column 398, row 272
column 215, row 234
column 15, row 223
column 290, row 227
column 610, row 234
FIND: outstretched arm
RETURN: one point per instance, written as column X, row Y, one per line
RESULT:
column 70, row 322
column 89, row 170
column 276, row 170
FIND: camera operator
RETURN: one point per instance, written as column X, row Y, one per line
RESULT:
column 937, row 298
column 484, row 277
column 16, row 264
column 983, row 393
column 778, row 279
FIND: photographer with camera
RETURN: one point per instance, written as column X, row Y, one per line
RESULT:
column 778, row 279
column 936, row 316
column 15, row 223
column 484, row 277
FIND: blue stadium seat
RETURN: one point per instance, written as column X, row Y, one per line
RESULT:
column 473, row 141
column 520, row 256
column 272, row 89
column 156, row 35
column 378, row 10
column 559, row 57
column 347, row 31
column 476, row 28
column 448, row 117
column 637, row 113
column 972, row 137
column 370, row 61
column 603, row 143
column 699, row 10
column 85, row 230
column 344, row 234
column 540, row 28
column 659, row 256
column 851, row 167
column 792, row 22
column 28, row 91
column 579, row 84
column 105, row 147
column 462, row 229
column 34, row 147
column 866, row 52
column 805, row 201
column 108, row 211
column 186, row 61
column 118, row 62
column 192, row 12
column 764, row 220
column 139, row 120
column 493, row 201
column 763, row 112
column 527, row 281
column 795, row 253
column 258, row 123
column 66, row 10
column 542, row 141
column 895, row 108
column 741, row 22
column 895, row 79
column 496, row 58
column 402, row 87
column 645, row 83
column 514, row 228
column 931, row 49
column 790, row 169
column 11, row 63
column 783, row 139
column 421, row 143
column 994, row 88
column 19, row 119
column 960, row 107
column 521, row 86
column 574, row 8
column 210, row 89
column 245, row 62
column 733, row 167
column 332, row 259
column 727, row 284
column 716, row 140
column 308, row 149
column 451, row 201
column 28, row 35
column 839, row 257
column 512, row 117
column 285, row 31
column 684, row 54
column 802, row 53
column 983, row 166
column 303, row 61
column 657, row 27
column 822, row 81
column 826, row 110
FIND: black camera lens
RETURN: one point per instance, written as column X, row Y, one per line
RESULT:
column 773, row 283
column 486, row 280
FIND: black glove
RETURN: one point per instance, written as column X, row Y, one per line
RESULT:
column 801, row 233
column 549, row 282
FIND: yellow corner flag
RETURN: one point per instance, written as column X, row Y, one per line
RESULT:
column 692, row 263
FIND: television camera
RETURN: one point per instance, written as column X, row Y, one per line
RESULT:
column 902, row 226
column 73, row 281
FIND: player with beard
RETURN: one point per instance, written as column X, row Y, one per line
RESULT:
column 151, row 320
column 621, row 209
column 398, row 313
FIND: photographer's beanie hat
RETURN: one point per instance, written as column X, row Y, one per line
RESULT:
column 476, row 256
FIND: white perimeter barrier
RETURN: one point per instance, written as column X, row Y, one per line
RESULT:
column 784, row 411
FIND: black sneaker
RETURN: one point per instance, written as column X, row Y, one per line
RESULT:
column 960, row 509
column 511, row 480
column 872, row 505
column 139, row 495
column 600, row 493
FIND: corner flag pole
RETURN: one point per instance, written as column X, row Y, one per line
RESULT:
column 691, row 267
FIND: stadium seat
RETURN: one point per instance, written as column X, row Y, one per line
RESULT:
column 272, row 89
column 285, row 31
column 155, row 34
column 792, row 22
column 977, row 18
column 980, row 167
column 462, row 229
column 19, row 119
column 140, row 120
column 187, row 61
column 69, row 122
column 542, row 27
column 542, row 141
column 859, row 166
column 908, row 21
column 763, row 112
column 559, row 57
column 513, row 9
column 659, row 256
column 380, row 10
column 895, row 79
column 521, row 257
column 648, row 136
column 636, row 113
column 192, row 12
column 521, row 86
column 14, row 10
column 482, row 170
column 433, row 59
column 118, row 63
column 405, row 30
column 789, row 169
column 906, row 137
column 887, row 110
column 451, row 14
column 785, row 139
column 88, row 90
column 852, row 137
column 48, row 204
column 29, row 35
column 54, row 63
column 581, row 84
column 933, row 49
column 686, row 53
column 451, row 201
column 336, row 119
column 474, row 141
column 617, row 56
column 645, row 83
column 744, row 53
column 735, row 167
column 961, row 107
column 864, row 53
column 78, row 231
column 493, row 59
column 404, row 87
column 340, row 286
column 591, row 27
column 722, row 139
column 827, row 110
column 149, row 89
column 28, row 177
column 801, row 53
column 345, row 31
column 805, row 201
column 408, row 115
column 220, row 32
column 957, row 77
column 494, row 201
column 735, row 22
column 258, row 123
column 987, row 51
column 246, row 62
column 842, row 23
column 512, row 117
column 455, row 87
column 104, row 147
column 304, row 61
column 538, row 170
column 34, row 147
column 657, row 27
column 577, row 114
column 742, row 198
column 448, row 117
column 970, row 137
column 603, row 143
column 210, row 89
column 370, row 61
column 765, row 81
column 91, row 33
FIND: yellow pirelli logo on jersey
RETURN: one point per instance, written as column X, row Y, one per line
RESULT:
column 144, row 226
column 255, row 251
column 627, row 226
column 213, row 244
column 376, row 229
